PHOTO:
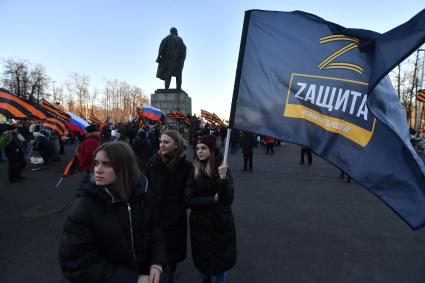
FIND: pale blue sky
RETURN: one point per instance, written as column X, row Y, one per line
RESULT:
column 107, row 39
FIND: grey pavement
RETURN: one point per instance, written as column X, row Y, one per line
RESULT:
column 295, row 223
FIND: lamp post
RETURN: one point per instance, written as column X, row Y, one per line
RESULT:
column 53, row 90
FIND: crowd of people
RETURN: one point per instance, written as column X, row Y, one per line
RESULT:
column 130, row 220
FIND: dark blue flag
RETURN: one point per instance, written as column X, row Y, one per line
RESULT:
column 312, row 82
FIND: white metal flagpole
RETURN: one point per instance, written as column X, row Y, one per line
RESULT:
column 226, row 148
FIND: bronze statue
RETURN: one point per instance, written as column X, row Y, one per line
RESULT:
column 171, row 56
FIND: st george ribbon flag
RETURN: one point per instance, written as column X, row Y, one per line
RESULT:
column 308, row 81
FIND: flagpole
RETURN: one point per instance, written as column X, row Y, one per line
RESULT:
column 58, row 184
column 226, row 148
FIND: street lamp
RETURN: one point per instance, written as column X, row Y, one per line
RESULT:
column 54, row 94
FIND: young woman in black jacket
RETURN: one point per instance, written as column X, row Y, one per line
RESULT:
column 212, row 227
column 112, row 233
column 168, row 173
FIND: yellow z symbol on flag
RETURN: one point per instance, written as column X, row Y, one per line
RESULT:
column 328, row 63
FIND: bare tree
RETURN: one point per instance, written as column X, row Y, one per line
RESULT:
column 38, row 81
column 69, row 96
column 23, row 80
column 78, row 85
column 406, row 80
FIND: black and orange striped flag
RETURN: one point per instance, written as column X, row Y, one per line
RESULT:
column 12, row 106
column 207, row 115
column 55, row 111
column 172, row 116
column 180, row 115
column 421, row 95
column 217, row 119
column 187, row 121
column 96, row 120
column 141, row 120
column 56, row 125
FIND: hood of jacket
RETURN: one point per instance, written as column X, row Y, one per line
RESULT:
column 106, row 193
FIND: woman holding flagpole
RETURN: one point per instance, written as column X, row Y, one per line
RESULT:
column 212, row 228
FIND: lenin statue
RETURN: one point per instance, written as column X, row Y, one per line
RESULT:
column 171, row 56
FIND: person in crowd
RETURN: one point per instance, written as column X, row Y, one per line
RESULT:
column 168, row 173
column 114, row 133
column 143, row 149
column 86, row 149
column 270, row 142
column 54, row 139
column 105, row 134
column 306, row 150
column 235, row 138
column 223, row 134
column 43, row 144
column 25, row 136
column 247, row 144
column 133, row 131
column 61, row 140
column 212, row 228
column 112, row 232
column 15, row 153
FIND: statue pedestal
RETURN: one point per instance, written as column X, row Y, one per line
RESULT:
column 170, row 100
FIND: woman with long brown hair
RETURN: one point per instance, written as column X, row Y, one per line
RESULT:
column 112, row 233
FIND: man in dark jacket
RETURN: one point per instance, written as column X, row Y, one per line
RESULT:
column 143, row 149
column 14, row 152
column 171, row 56
column 247, row 145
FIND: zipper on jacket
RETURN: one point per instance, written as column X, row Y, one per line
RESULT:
column 131, row 230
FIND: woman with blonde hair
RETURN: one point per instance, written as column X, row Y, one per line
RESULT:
column 212, row 227
column 112, row 232
column 168, row 173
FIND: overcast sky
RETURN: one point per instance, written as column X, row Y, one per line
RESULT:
column 107, row 39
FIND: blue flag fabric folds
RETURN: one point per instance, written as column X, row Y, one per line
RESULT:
column 304, row 80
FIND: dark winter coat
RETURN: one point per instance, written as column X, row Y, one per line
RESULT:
column 143, row 150
column 247, row 143
column 171, row 56
column 169, row 187
column 14, row 148
column 212, row 227
column 106, row 239
column 44, row 145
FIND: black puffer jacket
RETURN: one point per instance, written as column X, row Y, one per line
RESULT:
column 106, row 239
column 168, row 184
column 212, row 227
column 143, row 150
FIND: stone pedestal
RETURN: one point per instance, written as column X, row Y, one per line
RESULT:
column 170, row 100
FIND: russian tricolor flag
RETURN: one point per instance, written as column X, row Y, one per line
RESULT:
column 151, row 112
